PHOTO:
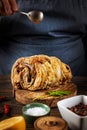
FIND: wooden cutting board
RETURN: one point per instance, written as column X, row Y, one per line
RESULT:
column 26, row 97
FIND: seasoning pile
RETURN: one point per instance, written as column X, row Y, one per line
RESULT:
column 79, row 109
column 35, row 111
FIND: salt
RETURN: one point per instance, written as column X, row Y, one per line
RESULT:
column 36, row 111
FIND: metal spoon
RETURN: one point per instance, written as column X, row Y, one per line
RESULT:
column 35, row 16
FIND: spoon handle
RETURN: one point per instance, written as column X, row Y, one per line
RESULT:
column 23, row 13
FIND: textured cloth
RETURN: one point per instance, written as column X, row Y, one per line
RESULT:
column 60, row 34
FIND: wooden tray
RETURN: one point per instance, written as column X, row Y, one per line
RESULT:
column 26, row 97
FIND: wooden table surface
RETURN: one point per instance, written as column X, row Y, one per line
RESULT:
column 16, row 107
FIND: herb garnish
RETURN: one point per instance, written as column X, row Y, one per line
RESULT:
column 58, row 93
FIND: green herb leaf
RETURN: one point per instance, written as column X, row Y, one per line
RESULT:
column 59, row 93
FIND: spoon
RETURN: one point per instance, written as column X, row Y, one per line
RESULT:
column 35, row 16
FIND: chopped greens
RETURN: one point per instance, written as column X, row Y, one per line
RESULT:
column 59, row 93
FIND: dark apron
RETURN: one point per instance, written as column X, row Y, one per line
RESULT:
column 60, row 34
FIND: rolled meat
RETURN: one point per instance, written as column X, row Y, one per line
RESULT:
column 39, row 72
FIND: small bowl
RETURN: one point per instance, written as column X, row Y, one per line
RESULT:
column 75, row 121
column 35, row 110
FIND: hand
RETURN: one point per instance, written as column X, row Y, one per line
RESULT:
column 8, row 7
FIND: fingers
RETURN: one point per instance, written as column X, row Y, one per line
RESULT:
column 2, row 12
column 8, row 7
column 14, row 5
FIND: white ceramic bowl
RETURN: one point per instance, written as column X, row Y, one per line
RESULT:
column 75, row 122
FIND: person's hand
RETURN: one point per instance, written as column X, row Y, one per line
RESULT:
column 8, row 7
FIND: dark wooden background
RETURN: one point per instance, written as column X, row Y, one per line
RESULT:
column 16, row 107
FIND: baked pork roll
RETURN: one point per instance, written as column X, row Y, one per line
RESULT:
column 39, row 72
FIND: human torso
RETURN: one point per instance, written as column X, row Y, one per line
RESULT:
column 60, row 31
